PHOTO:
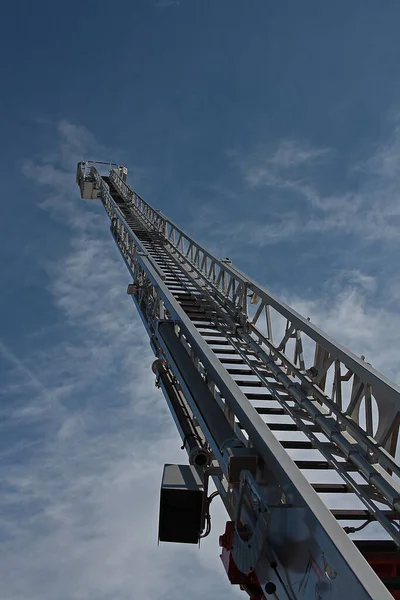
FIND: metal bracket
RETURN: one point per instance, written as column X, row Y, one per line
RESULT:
column 247, row 552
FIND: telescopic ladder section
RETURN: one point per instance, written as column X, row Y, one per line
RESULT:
column 298, row 434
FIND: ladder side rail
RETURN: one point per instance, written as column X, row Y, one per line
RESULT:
column 190, row 252
column 366, row 371
column 142, row 268
column 383, row 482
column 301, row 498
column 374, row 452
column 229, row 287
column 153, row 219
column 369, row 473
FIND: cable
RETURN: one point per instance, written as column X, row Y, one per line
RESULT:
column 208, row 527
column 354, row 529
column 208, row 516
column 212, row 496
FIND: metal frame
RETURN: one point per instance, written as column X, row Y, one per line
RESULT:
column 249, row 317
column 335, row 413
column 330, row 361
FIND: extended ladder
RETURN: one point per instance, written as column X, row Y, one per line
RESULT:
column 299, row 435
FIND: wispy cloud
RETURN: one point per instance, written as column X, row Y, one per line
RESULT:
column 21, row 369
column 86, row 486
column 290, row 176
column 385, row 161
column 348, row 310
column 278, row 166
column 79, row 501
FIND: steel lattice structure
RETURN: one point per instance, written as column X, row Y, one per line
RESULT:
column 299, row 435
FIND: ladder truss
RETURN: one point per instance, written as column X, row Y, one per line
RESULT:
column 299, row 435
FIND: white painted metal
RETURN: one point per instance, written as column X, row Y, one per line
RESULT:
column 287, row 390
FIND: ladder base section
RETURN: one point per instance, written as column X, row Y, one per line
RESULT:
column 247, row 582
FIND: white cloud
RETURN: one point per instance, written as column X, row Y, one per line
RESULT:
column 78, row 517
column 276, row 166
column 79, row 502
column 356, row 279
column 385, row 161
column 367, row 326
column 299, row 205
column 291, row 154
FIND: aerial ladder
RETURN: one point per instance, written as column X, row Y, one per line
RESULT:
column 298, row 434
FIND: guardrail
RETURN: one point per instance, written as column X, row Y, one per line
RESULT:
column 362, row 400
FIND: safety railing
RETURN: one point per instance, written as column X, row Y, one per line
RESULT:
column 362, row 400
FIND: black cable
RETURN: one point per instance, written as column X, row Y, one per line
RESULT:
column 212, row 496
column 208, row 516
column 208, row 527
column 354, row 529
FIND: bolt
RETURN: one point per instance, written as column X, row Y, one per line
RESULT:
column 270, row 588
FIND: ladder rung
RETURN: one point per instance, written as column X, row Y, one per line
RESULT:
column 240, row 371
column 392, row 583
column 185, row 303
column 284, row 427
column 232, row 361
column 266, row 410
column 307, row 445
column 334, row 488
column 259, row 396
column 248, row 371
column 182, row 295
column 247, row 383
column 299, row 445
column 181, row 286
column 321, row 465
column 207, row 334
column 200, row 319
column 361, row 514
column 376, row 546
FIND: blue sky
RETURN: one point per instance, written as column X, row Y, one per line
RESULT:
column 271, row 132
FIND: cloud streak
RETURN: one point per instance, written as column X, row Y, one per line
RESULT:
column 291, row 177
column 80, row 477
column 276, row 166
column 349, row 311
